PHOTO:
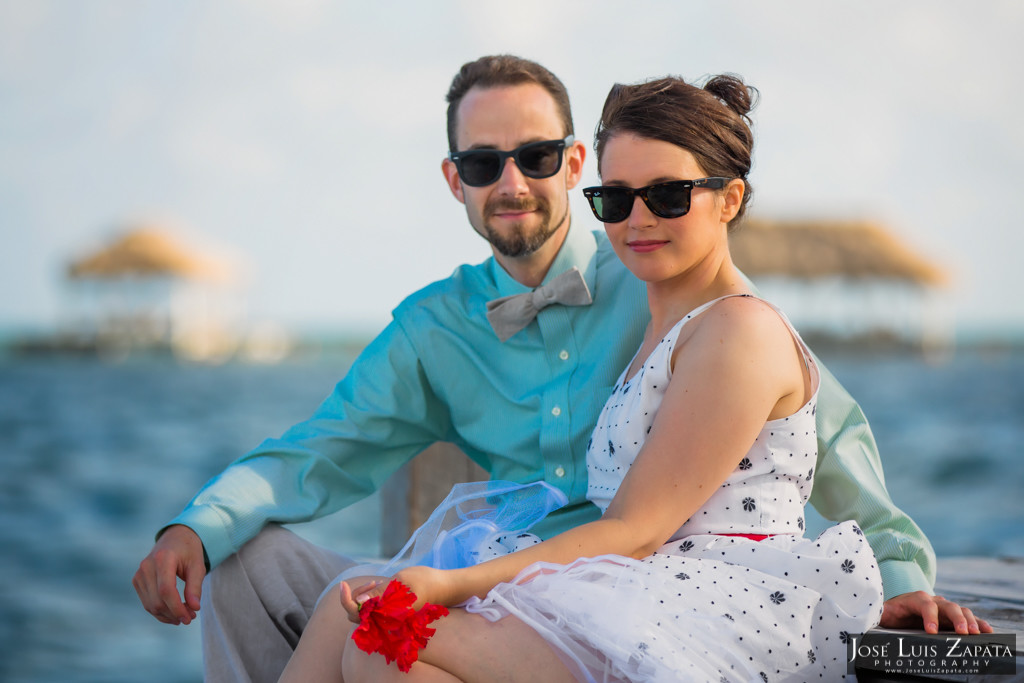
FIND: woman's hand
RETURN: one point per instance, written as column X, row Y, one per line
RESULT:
column 353, row 599
column 435, row 586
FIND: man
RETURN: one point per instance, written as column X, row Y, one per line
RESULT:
column 518, row 394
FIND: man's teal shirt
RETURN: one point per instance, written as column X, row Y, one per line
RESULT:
column 523, row 410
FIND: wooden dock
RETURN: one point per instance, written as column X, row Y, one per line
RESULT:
column 993, row 588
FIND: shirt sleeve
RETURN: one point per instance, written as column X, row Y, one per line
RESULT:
column 377, row 418
column 849, row 484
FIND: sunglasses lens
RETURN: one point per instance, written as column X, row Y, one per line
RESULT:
column 480, row 168
column 669, row 200
column 540, row 160
column 612, row 204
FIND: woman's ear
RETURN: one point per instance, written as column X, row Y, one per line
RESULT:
column 733, row 199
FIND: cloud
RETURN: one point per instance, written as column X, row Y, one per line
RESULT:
column 21, row 24
column 213, row 149
column 529, row 26
column 293, row 16
column 380, row 96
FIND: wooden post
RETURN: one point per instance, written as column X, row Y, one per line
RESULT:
column 412, row 493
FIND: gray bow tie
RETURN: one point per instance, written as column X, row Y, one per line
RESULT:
column 510, row 314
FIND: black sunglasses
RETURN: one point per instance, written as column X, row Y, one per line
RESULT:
column 613, row 204
column 480, row 167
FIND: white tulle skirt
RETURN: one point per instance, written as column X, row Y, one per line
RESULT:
column 703, row 608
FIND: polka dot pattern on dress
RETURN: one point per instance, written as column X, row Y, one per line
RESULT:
column 708, row 605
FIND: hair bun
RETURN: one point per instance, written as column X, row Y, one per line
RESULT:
column 733, row 92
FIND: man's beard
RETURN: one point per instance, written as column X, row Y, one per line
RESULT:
column 519, row 242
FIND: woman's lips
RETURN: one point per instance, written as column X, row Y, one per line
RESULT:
column 644, row 246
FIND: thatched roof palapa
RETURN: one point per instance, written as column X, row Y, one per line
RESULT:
column 147, row 252
column 811, row 250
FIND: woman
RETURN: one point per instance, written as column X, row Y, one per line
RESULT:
column 701, row 461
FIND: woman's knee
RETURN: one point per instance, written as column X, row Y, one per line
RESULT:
column 474, row 648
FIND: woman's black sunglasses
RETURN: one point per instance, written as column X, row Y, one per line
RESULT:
column 480, row 167
column 613, row 204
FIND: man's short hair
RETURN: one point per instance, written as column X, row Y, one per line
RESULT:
column 500, row 70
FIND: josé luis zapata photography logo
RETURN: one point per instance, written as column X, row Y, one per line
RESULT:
column 923, row 654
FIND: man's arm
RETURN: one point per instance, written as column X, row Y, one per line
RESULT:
column 849, row 484
column 378, row 417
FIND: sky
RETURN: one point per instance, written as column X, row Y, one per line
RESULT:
column 302, row 139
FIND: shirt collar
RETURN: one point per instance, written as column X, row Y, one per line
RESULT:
column 578, row 250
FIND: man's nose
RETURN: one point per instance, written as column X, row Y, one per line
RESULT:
column 512, row 181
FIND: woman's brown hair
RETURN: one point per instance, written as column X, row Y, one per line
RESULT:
column 710, row 122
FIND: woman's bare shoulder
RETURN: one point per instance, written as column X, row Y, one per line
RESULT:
column 744, row 318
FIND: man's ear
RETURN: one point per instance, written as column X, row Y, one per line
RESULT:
column 575, row 155
column 451, row 176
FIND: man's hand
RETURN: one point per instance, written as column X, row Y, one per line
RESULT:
column 177, row 554
column 912, row 610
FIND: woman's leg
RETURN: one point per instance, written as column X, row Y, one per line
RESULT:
column 361, row 667
column 476, row 650
column 325, row 653
column 318, row 654
column 466, row 647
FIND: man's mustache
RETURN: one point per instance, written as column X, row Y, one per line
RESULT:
column 514, row 205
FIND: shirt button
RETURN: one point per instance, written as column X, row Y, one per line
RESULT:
column 559, row 471
column 563, row 354
column 556, row 411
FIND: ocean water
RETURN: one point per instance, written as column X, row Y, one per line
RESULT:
column 96, row 457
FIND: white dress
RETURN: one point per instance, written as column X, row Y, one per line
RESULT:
column 707, row 606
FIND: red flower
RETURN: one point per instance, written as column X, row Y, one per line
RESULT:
column 389, row 625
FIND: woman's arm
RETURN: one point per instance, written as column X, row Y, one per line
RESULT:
column 737, row 369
